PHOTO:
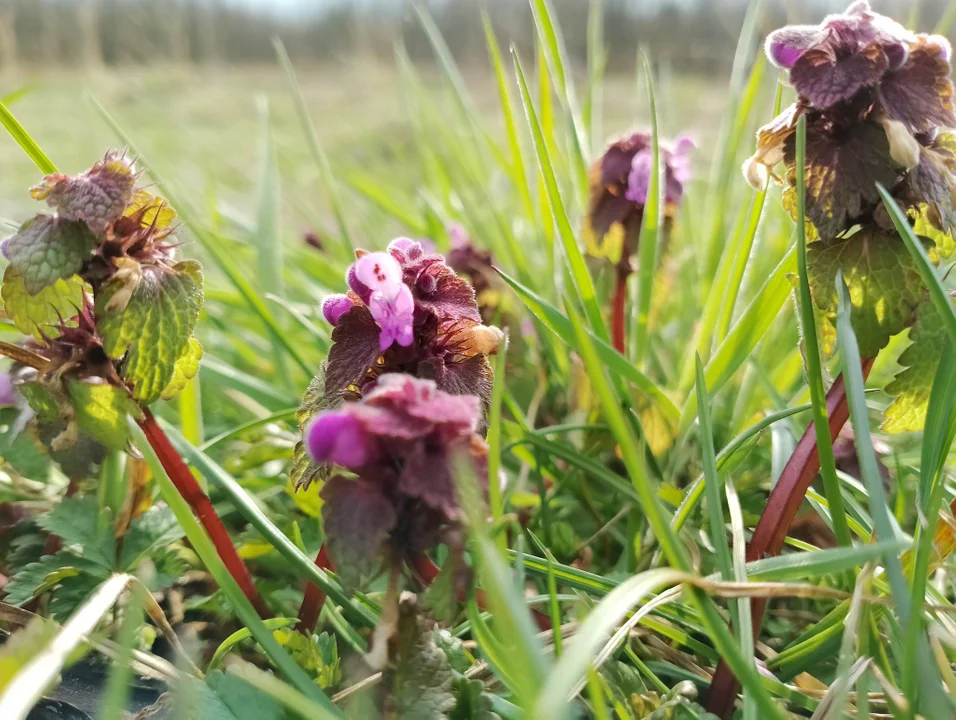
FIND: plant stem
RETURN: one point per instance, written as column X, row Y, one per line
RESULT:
column 314, row 596
column 771, row 531
column 427, row 571
column 188, row 487
column 619, row 310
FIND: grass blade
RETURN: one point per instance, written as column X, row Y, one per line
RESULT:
column 27, row 143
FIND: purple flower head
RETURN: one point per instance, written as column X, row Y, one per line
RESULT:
column 620, row 181
column 378, row 279
column 334, row 307
column 402, row 439
column 875, row 97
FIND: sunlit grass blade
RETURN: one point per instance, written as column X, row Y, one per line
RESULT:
column 746, row 333
column 718, row 530
column 240, row 605
column 494, row 441
column 583, row 284
column 253, row 387
column 744, row 620
column 673, row 549
column 27, row 143
column 399, row 208
column 558, row 323
column 831, row 483
column 319, row 157
column 649, row 241
column 211, row 245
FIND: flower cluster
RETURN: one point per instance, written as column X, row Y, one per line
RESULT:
column 620, row 181
column 875, row 97
column 401, row 439
column 409, row 312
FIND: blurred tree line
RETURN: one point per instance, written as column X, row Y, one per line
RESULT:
column 695, row 35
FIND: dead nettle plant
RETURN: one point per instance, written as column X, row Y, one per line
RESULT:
column 620, row 181
column 401, row 399
column 875, row 100
column 109, row 312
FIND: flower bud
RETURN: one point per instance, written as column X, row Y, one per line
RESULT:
column 337, row 437
column 756, row 173
column 334, row 307
column 903, row 146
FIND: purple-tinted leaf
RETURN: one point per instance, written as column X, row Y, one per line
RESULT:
column 825, row 78
column 357, row 520
column 920, row 94
column 842, row 170
column 426, row 475
column 354, row 349
column 47, row 248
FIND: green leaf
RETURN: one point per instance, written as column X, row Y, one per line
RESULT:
column 184, row 369
column 154, row 328
column 46, row 574
column 441, row 597
column 98, row 409
column 225, row 696
column 470, row 701
column 153, row 530
column 911, row 386
column 26, row 142
column 79, row 522
column 316, row 654
column 47, row 248
column 39, row 313
column 884, row 285
column 420, row 679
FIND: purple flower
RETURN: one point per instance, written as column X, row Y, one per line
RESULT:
column 620, row 181
column 402, row 440
column 389, row 300
column 334, row 307
column 8, row 392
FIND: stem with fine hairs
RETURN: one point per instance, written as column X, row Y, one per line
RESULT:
column 187, row 486
column 771, row 531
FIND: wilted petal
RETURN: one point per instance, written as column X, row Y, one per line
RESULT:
column 334, row 307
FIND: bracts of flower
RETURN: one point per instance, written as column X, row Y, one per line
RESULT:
column 878, row 101
column 401, row 440
column 620, row 181
column 407, row 312
column 110, row 311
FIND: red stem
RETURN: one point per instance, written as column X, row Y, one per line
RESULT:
column 619, row 312
column 314, row 596
column 771, row 531
column 202, row 507
column 427, row 571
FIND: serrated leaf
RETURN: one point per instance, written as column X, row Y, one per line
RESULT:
column 79, row 522
column 304, row 472
column 317, row 655
column 470, row 701
column 307, row 499
column 49, row 571
column 184, row 370
column 47, row 248
column 419, row 680
column 441, row 597
column 155, row 210
column 224, row 696
column 99, row 409
column 884, row 284
column 40, row 312
column 154, row 328
column 154, row 529
column 912, row 385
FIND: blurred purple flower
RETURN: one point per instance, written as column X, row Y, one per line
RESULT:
column 8, row 392
column 334, row 307
column 401, row 439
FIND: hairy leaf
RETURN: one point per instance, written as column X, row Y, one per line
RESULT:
column 224, row 696
column 885, row 286
column 47, row 573
column 470, row 701
column 304, row 472
column 842, row 170
column 154, row 329
column 153, row 530
column 38, row 314
column 419, row 678
column 912, row 384
column 79, row 523
column 358, row 518
column 47, row 248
